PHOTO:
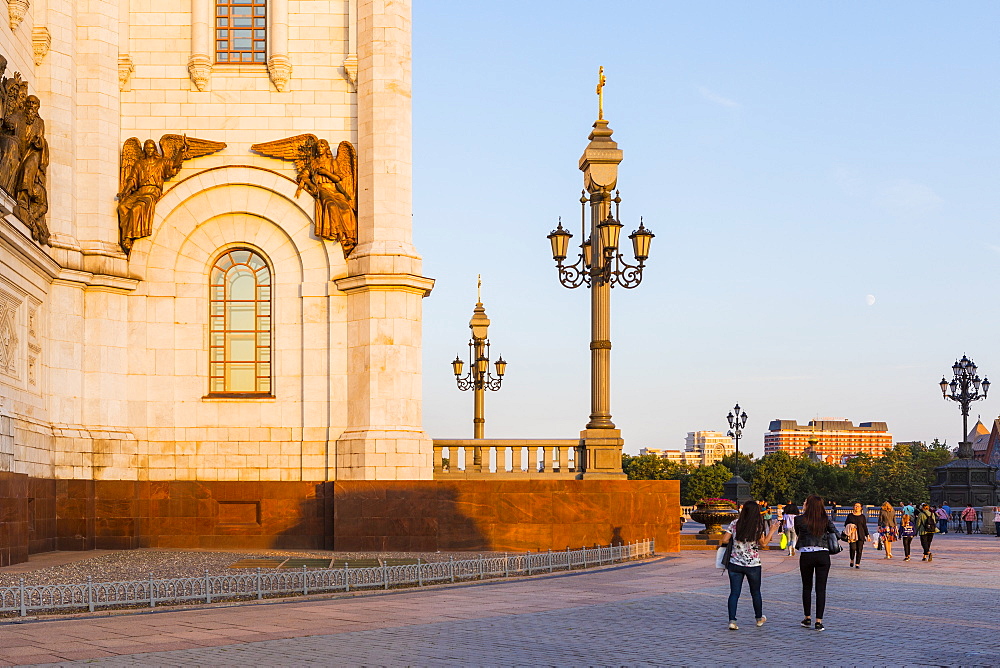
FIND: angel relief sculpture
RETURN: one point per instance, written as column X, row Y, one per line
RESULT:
column 332, row 181
column 144, row 170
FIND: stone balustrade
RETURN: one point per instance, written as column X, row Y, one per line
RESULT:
column 550, row 459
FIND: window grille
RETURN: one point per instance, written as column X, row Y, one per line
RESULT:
column 240, row 31
column 240, row 324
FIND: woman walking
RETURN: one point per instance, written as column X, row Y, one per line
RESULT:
column 747, row 532
column 887, row 528
column 926, row 528
column 856, row 528
column 814, row 556
column 788, row 527
column 907, row 531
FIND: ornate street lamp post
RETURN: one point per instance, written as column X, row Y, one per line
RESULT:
column 600, row 266
column 479, row 379
column 736, row 424
column 965, row 388
column 737, row 489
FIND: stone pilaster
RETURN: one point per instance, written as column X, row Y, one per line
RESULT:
column 384, row 439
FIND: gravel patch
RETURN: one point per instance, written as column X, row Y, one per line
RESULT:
column 139, row 564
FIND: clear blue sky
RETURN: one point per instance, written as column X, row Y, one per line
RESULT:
column 792, row 159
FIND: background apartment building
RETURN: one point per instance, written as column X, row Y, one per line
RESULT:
column 701, row 448
column 833, row 440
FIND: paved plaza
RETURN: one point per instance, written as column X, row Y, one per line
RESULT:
column 670, row 611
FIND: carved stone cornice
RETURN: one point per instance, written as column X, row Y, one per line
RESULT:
column 391, row 282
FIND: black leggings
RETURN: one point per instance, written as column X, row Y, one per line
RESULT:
column 818, row 562
column 906, row 546
column 925, row 542
column 856, row 548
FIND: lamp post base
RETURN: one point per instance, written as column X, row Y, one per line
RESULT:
column 736, row 490
column 601, row 452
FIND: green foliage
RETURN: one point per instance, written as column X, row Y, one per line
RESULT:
column 775, row 477
column 740, row 464
column 651, row 467
column 895, row 479
column 927, row 458
column 901, row 475
column 703, row 482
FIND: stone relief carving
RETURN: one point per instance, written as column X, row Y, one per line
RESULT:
column 144, row 170
column 24, row 153
column 41, row 41
column 332, row 181
column 8, row 336
column 16, row 9
column 34, row 342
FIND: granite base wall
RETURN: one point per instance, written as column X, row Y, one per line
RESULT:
column 506, row 516
column 39, row 515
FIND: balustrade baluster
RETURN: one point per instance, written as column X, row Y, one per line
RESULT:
column 532, row 460
column 515, row 459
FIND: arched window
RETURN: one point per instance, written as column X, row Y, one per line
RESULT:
column 240, row 31
column 240, row 324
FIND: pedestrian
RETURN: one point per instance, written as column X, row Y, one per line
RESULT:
column 814, row 556
column 926, row 527
column 856, row 528
column 788, row 527
column 747, row 532
column 909, row 509
column 887, row 527
column 944, row 514
column 907, row 531
column 969, row 516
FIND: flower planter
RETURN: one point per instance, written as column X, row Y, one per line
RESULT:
column 713, row 516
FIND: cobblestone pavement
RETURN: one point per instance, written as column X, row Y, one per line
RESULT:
column 665, row 612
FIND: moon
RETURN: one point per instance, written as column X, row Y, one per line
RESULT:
column 870, row 300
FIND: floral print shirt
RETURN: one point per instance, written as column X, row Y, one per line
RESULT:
column 744, row 554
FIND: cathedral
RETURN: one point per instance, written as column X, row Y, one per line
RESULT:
column 206, row 266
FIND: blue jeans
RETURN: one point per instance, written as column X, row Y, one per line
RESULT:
column 736, row 574
column 943, row 526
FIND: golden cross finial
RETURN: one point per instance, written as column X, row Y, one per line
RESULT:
column 479, row 288
column 601, row 83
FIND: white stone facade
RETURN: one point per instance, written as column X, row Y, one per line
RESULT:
column 104, row 358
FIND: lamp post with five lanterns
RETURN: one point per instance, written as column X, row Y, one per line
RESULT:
column 600, row 266
column 965, row 388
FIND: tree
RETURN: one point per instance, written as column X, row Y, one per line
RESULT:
column 832, row 483
column 929, row 457
column 651, row 467
column 775, row 477
column 740, row 464
column 895, row 479
column 704, row 482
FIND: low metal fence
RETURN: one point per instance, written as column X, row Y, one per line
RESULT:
column 261, row 584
